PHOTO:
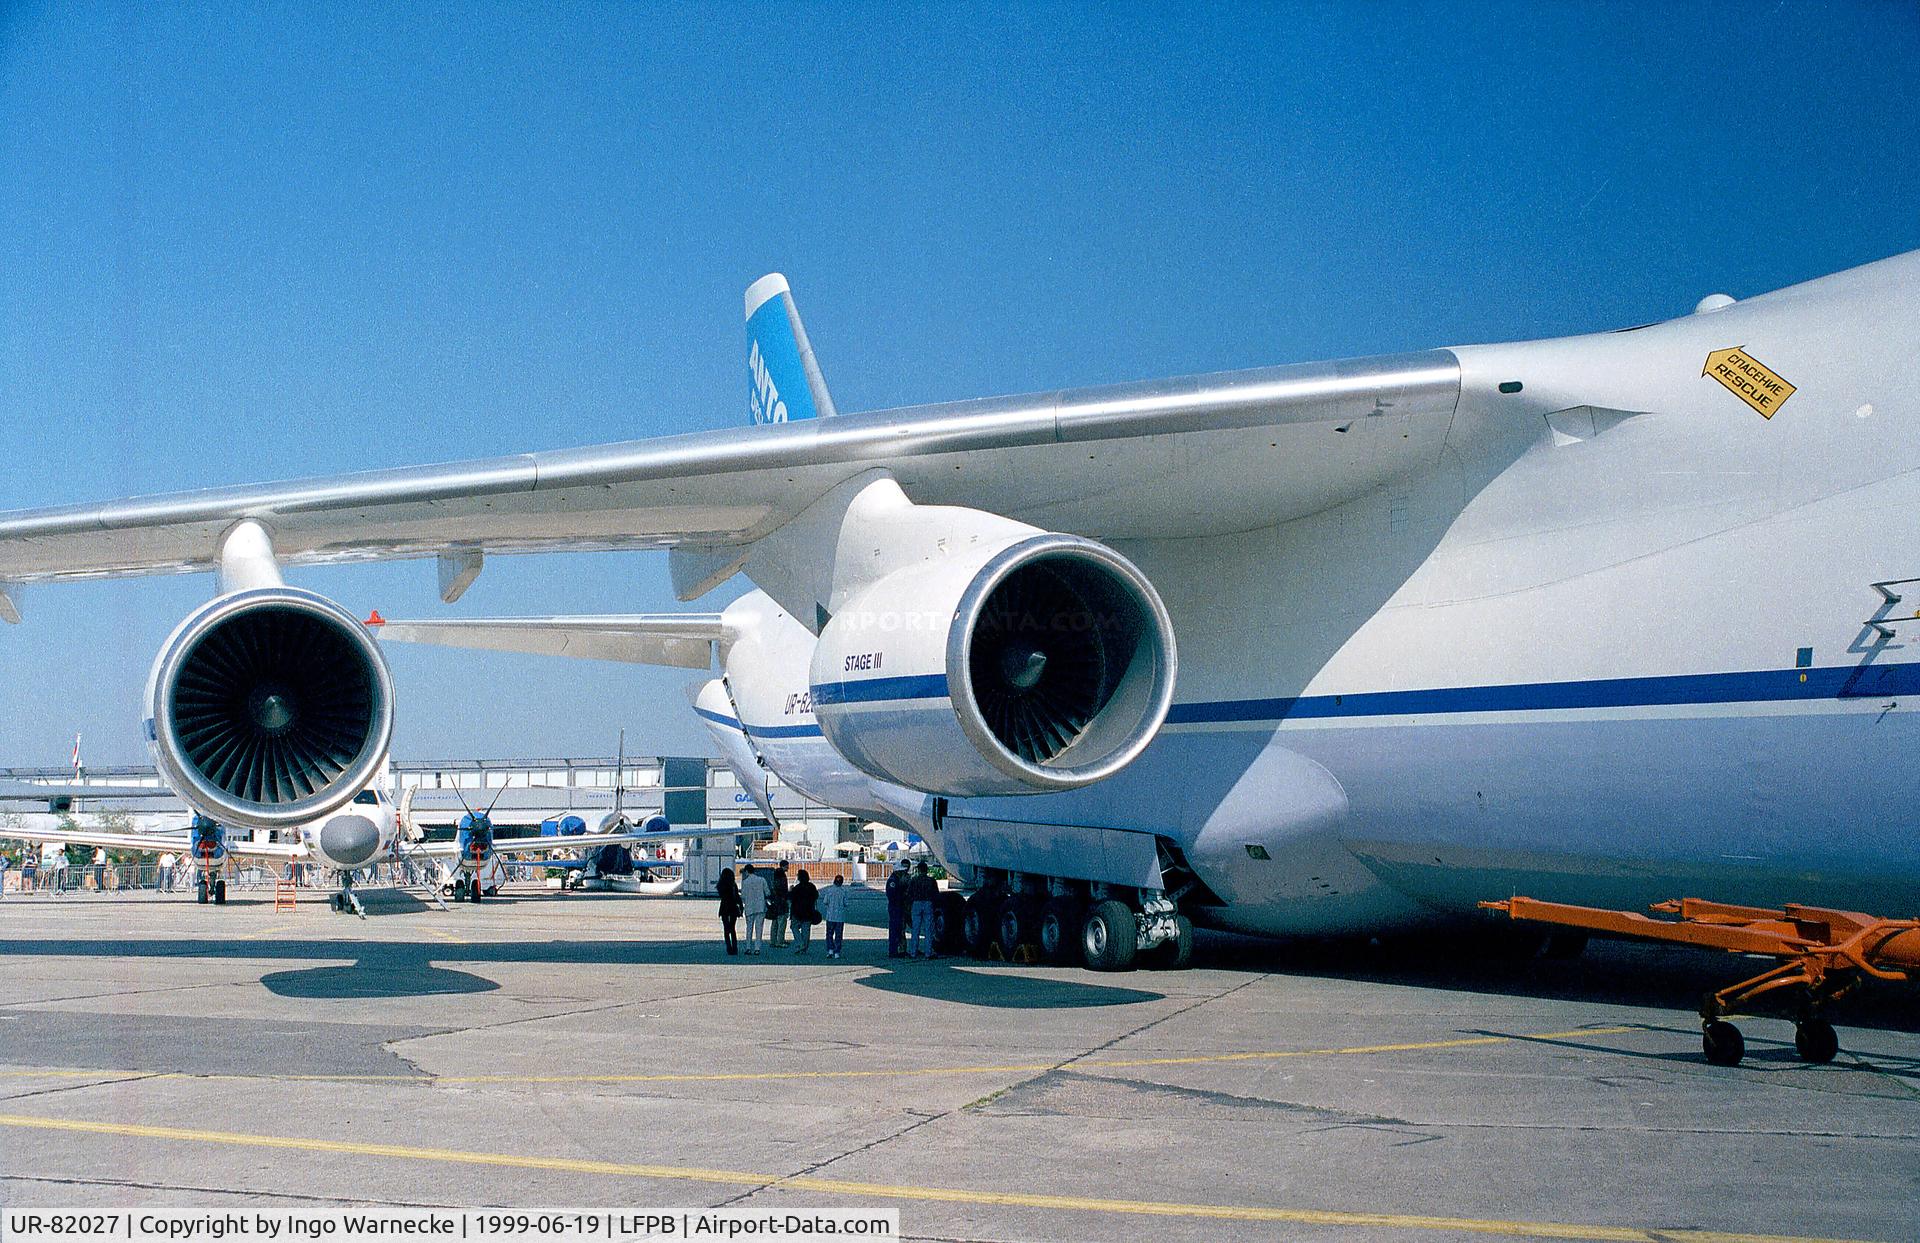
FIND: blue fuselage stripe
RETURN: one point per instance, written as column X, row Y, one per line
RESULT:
column 1764, row 686
column 762, row 731
column 879, row 690
column 1679, row 690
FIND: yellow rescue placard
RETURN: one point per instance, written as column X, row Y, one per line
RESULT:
column 1749, row 379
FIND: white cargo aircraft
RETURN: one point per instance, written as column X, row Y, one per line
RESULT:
column 1599, row 619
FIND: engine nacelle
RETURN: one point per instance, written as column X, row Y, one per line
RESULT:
column 1036, row 664
column 269, row 708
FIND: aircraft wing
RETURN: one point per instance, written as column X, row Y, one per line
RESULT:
column 578, row 841
column 681, row 640
column 148, row 843
column 35, row 792
column 1188, row 456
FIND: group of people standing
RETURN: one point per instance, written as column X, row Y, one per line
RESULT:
column 764, row 899
column 768, row 903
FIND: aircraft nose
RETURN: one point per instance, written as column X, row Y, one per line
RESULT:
column 349, row 840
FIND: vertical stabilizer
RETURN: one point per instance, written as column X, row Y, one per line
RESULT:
column 783, row 378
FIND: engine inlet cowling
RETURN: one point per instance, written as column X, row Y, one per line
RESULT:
column 270, row 708
column 1045, row 664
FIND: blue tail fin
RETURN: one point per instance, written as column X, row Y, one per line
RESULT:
column 783, row 379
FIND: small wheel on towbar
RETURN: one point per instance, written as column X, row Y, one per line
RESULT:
column 1109, row 936
column 1722, row 1042
column 1060, row 921
column 1816, row 1041
column 1175, row 953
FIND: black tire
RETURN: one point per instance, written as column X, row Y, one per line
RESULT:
column 219, row 893
column 1816, row 1041
column 1722, row 1043
column 1018, row 925
column 978, row 923
column 1173, row 955
column 949, row 918
column 200, row 892
column 1109, row 936
column 475, row 890
column 1058, row 930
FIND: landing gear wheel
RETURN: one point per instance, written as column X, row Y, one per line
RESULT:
column 1060, row 920
column 220, row 893
column 200, row 892
column 977, row 925
column 1174, row 954
column 1109, row 936
column 1016, row 926
column 1722, row 1043
column 1816, row 1041
column 949, row 920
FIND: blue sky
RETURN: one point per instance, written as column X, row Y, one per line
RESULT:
column 266, row 240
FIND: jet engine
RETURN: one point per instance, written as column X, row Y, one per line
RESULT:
column 269, row 708
column 1042, row 664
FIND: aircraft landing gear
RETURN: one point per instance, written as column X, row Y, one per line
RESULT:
column 1024, row 917
column 1109, row 936
column 200, row 891
column 220, row 892
column 1174, row 953
column 1059, row 930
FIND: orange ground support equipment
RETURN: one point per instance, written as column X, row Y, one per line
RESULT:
column 285, row 896
column 1824, row 955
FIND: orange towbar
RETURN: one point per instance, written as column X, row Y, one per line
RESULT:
column 1824, row 954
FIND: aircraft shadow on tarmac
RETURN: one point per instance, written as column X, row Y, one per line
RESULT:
column 1610, row 972
column 415, row 969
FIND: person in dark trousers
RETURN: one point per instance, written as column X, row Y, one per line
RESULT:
column 897, row 911
column 777, row 907
column 729, row 908
column 833, row 905
column 803, row 903
column 922, row 893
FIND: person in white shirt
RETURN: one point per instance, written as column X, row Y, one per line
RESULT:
column 753, row 897
column 167, row 861
column 833, row 909
column 99, row 869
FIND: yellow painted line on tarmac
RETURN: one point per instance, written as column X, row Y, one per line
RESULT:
column 753, row 1076
column 263, row 934
column 854, row 1189
column 1027, row 1068
column 446, row 936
